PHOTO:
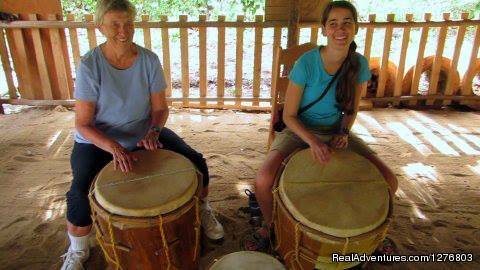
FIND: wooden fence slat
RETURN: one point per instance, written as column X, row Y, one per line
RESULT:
column 369, row 37
column 368, row 44
column 471, row 65
column 166, row 58
column 59, row 61
column 147, row 38
column 239, row 62
column 221, row 62
column 418, row 67
column 92, row 38
column 45, row 86
column 437, row 63
column 456, row 56
column 277, row 38
column 184, row 60
column 257, row 61
column 4, row 55
column 203, row 60
column 403, row 56
column 22, row 69
column 74, row 41
column 382, row 79
column 314, row 35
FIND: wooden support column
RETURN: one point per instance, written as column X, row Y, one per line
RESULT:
column 293, row 29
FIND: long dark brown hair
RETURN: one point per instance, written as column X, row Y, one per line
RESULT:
column 347, row 78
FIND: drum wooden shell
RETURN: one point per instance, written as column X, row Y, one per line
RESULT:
column 169, row 241
column 302, row 247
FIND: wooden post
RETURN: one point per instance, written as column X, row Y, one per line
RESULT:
column 92, row 38
column 277, row 36
column 166, row 58
column 293, row 29
column 456, row 55
column 22, row 67
column 184, row 60
column 221, row 62
column 437, row 63
column 239, row 62
column 74, row 41
column 369, row 37
column 45, row 87
column 12, row 91
column 202, row 50
column 386, row 53
column 65, row 89
column 314, row 35
column 257, row 61
column 418, row 66
column 403, row 55
column 368, row 44
column 471, row 66
column 147, row 39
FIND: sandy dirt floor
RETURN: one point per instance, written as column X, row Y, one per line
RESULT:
column 435, row 155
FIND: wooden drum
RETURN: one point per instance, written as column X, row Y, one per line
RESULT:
column 342, row 207
column 247, row 260
column 149, row 218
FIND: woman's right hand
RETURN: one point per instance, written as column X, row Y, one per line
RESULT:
column 320, row 151
column 122, row 159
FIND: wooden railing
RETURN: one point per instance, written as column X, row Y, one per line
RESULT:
column 391, row 83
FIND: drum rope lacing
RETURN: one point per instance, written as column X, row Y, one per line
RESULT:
column 110, row 230
column 197, row 226
column 274, row 213
column 164, row 241
column 119, row 182
column 97, row 236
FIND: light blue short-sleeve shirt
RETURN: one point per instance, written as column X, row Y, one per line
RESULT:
column 122, row 97
column 309, row 72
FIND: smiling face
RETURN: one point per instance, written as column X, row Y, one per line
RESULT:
column 340, row 27
column 117, row 26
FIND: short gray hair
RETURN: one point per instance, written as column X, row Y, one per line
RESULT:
column 104, row 6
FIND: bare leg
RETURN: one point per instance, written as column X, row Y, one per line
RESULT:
column 78, row 231
column 264, row 183
column 204, row 193
column 387, row 173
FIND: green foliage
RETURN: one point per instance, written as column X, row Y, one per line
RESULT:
column 155, row 8
column 249, row 8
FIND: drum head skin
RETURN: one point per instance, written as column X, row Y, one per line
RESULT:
column 161, row 182
column 346, row 197
column 247, row 260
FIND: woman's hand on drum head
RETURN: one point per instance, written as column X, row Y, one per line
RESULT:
column 150, row 141
column 339, row 141
column 320, row 151
column 122, row 159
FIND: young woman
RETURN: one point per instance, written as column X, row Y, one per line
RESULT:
column 326, row 125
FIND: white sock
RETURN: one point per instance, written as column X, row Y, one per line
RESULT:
column 78, row 243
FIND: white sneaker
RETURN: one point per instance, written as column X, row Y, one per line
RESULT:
column 212, row 228
column 73, row 260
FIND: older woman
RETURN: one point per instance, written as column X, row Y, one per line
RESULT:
column 120, row 107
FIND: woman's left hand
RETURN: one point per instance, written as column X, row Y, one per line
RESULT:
column 150, row 141
column 339, row 141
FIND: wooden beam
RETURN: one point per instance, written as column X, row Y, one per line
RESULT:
column 202, row 50
column 239, row 62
